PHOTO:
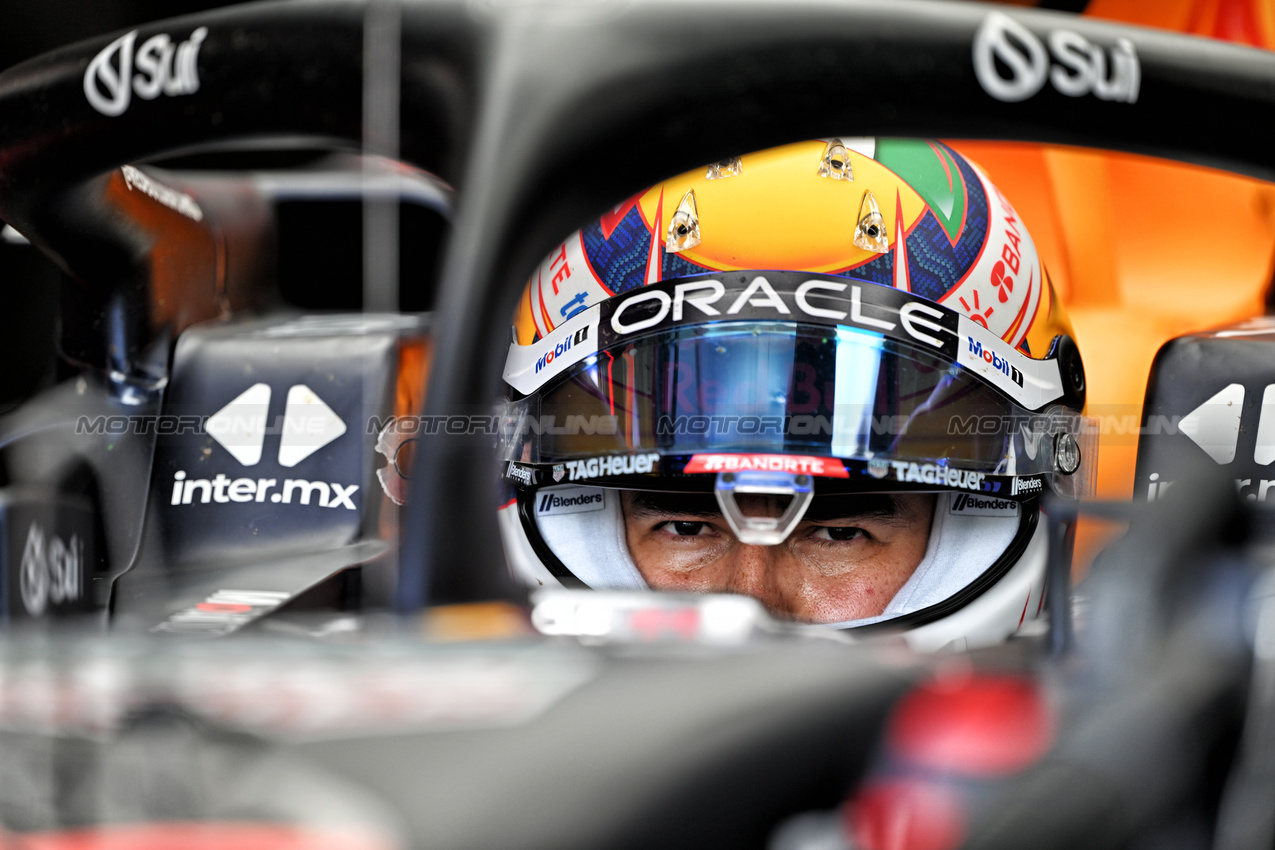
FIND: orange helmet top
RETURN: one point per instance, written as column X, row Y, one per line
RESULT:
column 911, row 214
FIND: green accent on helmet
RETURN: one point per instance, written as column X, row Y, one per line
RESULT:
column 929, row 168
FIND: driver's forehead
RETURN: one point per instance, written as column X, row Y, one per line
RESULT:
column 823, row 507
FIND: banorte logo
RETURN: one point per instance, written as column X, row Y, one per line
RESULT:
column 158, row 66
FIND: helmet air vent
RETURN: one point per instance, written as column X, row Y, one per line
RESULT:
column 870, row 233
column 720, row 170
column 683, row 230
column 835, row 164
column 759, row 530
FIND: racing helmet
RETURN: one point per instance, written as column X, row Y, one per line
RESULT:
column 832, row 375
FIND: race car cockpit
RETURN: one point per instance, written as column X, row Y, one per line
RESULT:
column 252, row 474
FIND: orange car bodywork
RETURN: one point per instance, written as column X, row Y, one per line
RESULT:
column 1142, row 250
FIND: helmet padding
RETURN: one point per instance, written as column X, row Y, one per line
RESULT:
column 593, row 546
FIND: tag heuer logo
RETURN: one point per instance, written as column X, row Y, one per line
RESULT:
column 308, row 425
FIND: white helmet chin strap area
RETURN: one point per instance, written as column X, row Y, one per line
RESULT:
column 591, row 542
column 1004, row 609
column 961, row 548
column 585, row 527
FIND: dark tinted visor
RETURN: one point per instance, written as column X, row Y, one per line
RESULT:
column 779, row 387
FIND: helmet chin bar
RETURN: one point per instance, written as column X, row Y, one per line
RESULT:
column 757, row 530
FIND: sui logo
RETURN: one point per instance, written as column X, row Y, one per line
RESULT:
column 159, row 66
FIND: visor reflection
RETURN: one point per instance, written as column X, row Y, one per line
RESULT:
column 775, row 387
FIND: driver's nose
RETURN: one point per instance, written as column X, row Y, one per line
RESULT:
column 756, row 571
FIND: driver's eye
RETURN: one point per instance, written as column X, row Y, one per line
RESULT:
column 687, row 529
column 840, row 532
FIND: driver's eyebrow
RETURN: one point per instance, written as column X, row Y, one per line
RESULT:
column 823, row 508
column 648, row 503
column 853, row 506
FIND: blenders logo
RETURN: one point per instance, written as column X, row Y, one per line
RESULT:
column 995, row 361
column 563, row 347
column 522, row 474
column 1026, row 485
column 573, row 501
column 966, row 504
column 1080, row 67
column 162, row 67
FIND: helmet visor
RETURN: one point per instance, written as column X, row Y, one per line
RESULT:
column 784, row 387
